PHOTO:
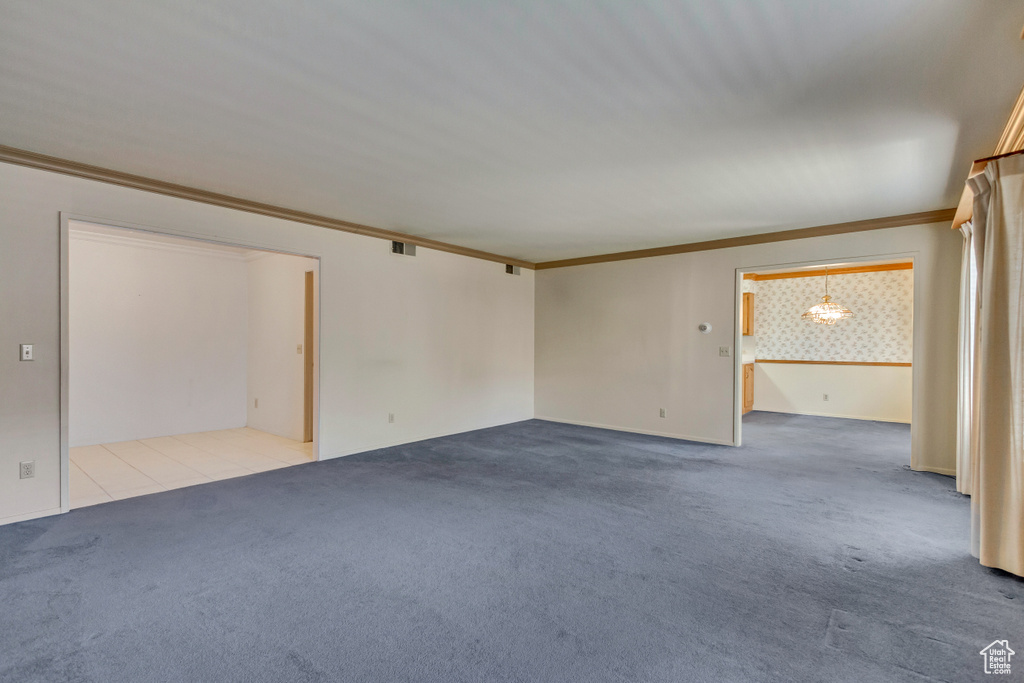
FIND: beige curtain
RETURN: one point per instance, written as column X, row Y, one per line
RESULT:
column 997, row 431
column 965, row 361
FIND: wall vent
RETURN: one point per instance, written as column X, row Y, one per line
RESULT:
column 403, row 248
column 511, row 270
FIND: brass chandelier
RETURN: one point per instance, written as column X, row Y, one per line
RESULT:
column 827, row 312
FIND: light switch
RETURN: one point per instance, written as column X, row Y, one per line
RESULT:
column 298, row 348
column 26, row 352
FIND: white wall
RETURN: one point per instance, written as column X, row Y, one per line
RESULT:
column 617, row 341
column 277, row 295
column 443, row 341
column 158, row 339
column 862, row 392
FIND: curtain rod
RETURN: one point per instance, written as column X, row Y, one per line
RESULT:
column 998, row 156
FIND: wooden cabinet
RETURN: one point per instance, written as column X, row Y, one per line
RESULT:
column 748, row 387
column 748, row 314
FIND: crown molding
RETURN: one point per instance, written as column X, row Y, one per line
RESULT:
column 43, row 162
column 922, row 218
column 20, row 157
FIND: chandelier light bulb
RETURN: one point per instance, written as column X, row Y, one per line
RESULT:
column 827, row 312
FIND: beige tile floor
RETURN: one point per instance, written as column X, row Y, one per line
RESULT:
column 113, row 471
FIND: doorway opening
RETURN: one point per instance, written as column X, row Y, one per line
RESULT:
column 183, row 361
column 859, row 368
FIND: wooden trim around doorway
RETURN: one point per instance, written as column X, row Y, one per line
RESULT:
column 834, row 362
column 819, row 272
column 308, row 356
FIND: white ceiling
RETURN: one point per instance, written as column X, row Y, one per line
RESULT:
column 534, row 129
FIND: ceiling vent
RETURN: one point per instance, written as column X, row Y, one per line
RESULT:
column 403, row 248
column 511, row 270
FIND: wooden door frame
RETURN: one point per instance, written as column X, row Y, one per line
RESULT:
column 308, row 356
column 737, row 411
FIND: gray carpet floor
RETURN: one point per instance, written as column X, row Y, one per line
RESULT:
column 530, row 552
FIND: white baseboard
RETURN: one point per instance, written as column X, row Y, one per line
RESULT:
column 845, row 417
column 682, row 437
column 438, row 435
column 29, row 515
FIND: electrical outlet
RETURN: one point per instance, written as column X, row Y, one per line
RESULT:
column 27, row 469
column 661, row 412
column 298, row 349
column 824, row 397
column 391, row 418
column 724, row 351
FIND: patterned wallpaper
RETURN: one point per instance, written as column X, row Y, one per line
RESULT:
column 881, row 331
